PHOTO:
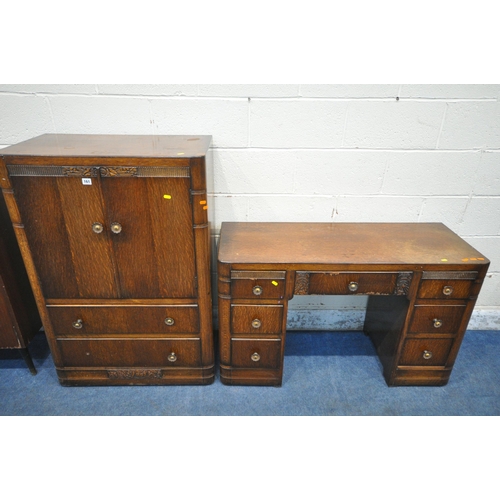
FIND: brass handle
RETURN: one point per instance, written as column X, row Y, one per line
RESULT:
column 172, row 357
column 169, row 321
column 116, row 227
column 437, row 323
column 257, row 290
column 77, row 324
column 255, row 356
column 427, row 355
column 447, row 290
column 97, row 227
column 353, row 286
column 256, row 323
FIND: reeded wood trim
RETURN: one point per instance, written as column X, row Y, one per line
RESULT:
column 51, row 171
column 88, row 171
column 270, row 275
column 449, row 275
column 141, row 171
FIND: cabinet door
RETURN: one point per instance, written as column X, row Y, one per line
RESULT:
column 58, row 212
column 154, row 248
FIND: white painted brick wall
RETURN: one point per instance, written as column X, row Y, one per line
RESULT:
column 310, row 152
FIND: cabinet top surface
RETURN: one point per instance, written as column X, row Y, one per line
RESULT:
column 344, row 243
column 147, row 146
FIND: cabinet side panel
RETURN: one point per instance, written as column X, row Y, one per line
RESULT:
column 201, row 231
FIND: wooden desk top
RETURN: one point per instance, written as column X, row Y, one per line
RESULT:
column 138, row 146
column 344, row 244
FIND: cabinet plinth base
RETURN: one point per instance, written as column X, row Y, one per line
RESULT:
column 416, row 377
column 242, row 376
column 136, row 376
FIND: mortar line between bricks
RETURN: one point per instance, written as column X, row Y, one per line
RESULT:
column 229, row 194
column 264, row 98
column 350, row 150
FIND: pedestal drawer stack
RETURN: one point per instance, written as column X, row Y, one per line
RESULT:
column 440, row 316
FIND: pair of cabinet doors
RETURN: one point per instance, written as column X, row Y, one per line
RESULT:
column 104, row 237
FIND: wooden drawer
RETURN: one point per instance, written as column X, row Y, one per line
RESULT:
column 130, row 352
column 445, row 289
column 124, row 319
column 255, row 353
column 265, row 319
column 352, row 283
column 425, row 352
column 257, row 284
column 436, row 319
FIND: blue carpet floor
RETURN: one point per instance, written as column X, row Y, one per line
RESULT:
column 325, row 374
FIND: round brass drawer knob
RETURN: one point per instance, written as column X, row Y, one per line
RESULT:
column 169, row 321
column 97, row 227
column 77, row 324
column 437, row 323
column 257, row 290
column 255, row 356
column 116, row 227
column 256, row 323
column 447, row 290
column 427, row 355
column 172, row 357
column 353, row 286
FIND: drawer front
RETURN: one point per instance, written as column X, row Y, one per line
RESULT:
column 352, row 283
column 256, row 319
column 258, row 284
column 255, row 353
column 436, row 319
column 425, row 352
column 445, row 289
column 125, row 319
column 130, row 352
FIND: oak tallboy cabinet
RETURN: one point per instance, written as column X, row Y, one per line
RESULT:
column 114, row 235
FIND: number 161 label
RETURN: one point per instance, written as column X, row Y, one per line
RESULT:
column 86, row 181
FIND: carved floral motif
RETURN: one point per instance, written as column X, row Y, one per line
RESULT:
column 79, row 171
column 118, row 171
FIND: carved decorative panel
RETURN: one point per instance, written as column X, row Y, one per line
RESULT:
column 51, row 171
column 119, row 171
column 301, row 283
column 403, row 283
column 134, row 374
